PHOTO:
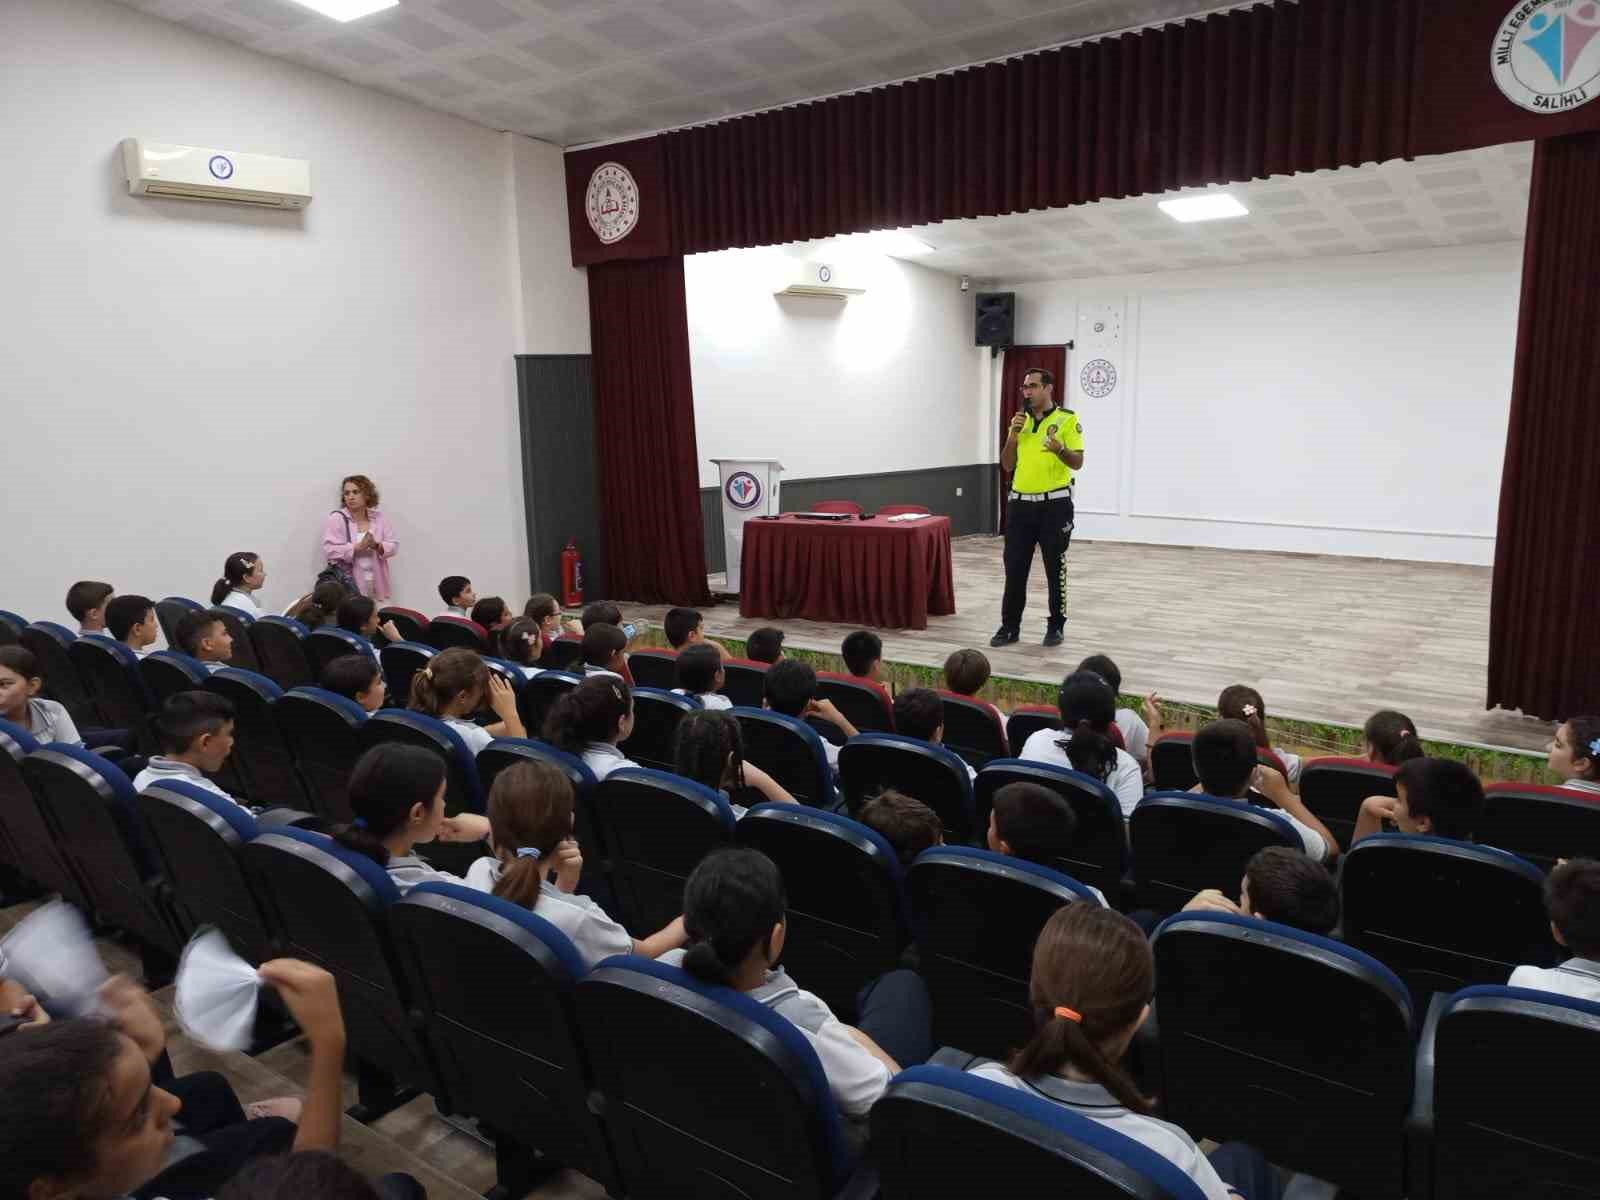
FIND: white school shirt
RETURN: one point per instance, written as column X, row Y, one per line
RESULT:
column 855, row 1077
column 1582, row 785
column 454, row 611
column 1577, row 977
column 160, row 769
column 1291, row 763
column 587, row 926
column 1135, row 733
column 474, row 735
column 243, row 601
column 49, row 721
column 408, row 870
column 599, row 672
column 212, row 667
column 1310, row 840
column 711, row 700
column 603, row 758
column 1126, row 780
column 1095, row 1102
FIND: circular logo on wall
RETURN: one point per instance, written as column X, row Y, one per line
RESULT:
column 612, row 203
column 743, row 490
column 1098, row 378
column 1546, row 55
column 221, row 166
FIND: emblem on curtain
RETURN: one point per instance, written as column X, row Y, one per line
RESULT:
column 612, row 203
column 1098, row 378
column 1546, row 55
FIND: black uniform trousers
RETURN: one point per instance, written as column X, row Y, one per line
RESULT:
column 1048, row 525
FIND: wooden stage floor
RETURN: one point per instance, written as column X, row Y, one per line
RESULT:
column 1324, row 638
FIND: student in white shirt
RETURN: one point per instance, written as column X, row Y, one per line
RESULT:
column 590, row 720
column 202, row 636
column 195, row 730
column 1575, row 754
column 492, row 614
column 701, row 675
column 131, row 620
column 530, row 835
column 1033, row 823
column 605, row 651
column 919, row 713
column 1572, row 898
column 397, row 796
column 1092, row 981
column 1137, row 734
column 522, row 644
column 356, row 677
column 709, row 749
column 243, row 573
column 1088, row 707
column 458, row 596
column 733, row 910
column 1240, row 702
column 454, row 685
column 1225, row 762
column 791, row 689
column 86, row 601
column 20, row 681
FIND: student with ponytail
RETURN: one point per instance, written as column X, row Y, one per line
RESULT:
column 454, row 685
column 1083, row 743
column 733, row 909
column 590, row 720
column 530, row 834
column 522, row 645
column 1240, row 702
column 1391, row 738
column 709, row 748
column 243, row 573
column 397, row 796
column 1092, row 982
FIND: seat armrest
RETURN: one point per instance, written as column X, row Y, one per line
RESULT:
column 1419, row 1130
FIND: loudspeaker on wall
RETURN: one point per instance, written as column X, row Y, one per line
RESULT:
column 995, row 318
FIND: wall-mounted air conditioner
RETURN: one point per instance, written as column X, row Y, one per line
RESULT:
column 197, row 173
column 820, row 279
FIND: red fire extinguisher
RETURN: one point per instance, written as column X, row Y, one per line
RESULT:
column 571, row 575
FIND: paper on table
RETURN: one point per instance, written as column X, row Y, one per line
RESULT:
column 909, row 517
column 52, row 954
column 217, row 993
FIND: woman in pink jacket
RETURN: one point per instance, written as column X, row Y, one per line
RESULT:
column 357, row 537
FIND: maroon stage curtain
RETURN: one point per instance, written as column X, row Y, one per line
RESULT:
column 644, row 425
column 1544, row 625
column 1017, row 362
column 1268, row 90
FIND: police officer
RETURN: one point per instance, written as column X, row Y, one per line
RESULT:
column 1044, row 446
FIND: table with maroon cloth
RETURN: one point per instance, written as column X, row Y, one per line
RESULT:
column 890, row 574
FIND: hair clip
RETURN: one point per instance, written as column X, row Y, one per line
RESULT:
column 1067, row 1014
column 529, row 852
column 359, row 823
column 1249, row 710
column 1594, row 746
column 427, row 672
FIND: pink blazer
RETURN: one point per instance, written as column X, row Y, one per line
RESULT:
column 338, row 546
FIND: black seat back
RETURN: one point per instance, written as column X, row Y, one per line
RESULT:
column 1172, row 762
column 1235, row 1066
column 1511, row 1115
column 655, row 726
column 493, row 984
column 259, row 749
column 463, row 791
column 89, row 803
column 30, row 837
column 1540, row 824
column 322, row 731
column 198, row 835
column 324, row 644
column 171, row 610
column 408, row 622
column 168, row 672
column 280, row 649
column 50, row 644
column 744, row 682
column 238, row 626
column 788, row 750
column 1184, row 842
column 1333, row 789
column 871, row 762
column 860, row 702
column 446, row 633
column 540, row 692
column 654, row 668
column 973, row 729
column 657, row 827
column 1025, row 721
column 1443, row 914
column 11, row 627
column 848, row 919
column 401, row 661
column 563, row 654
column 1099, row 851
column 111, row 673
column 978, row 914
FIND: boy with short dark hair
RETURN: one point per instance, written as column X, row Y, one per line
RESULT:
column 458, row 596
column 356, row 677
column 701, row 675
column 132, row 621
column 908, row 825
column 86, row 601
column 604, row 650
column 919, row 713
column 1224, row 754
column 195, row 730
column 1438, row 796
column 683, row 627
column 202, row 635
column 863, row 654
column 602, row 612
column 1033, row 823
column 1281, row 885
column 765, row 645
column 1572, row 898
column 791, row 689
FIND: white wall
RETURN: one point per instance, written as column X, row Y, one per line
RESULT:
column 184, row 380
column 1344, row 406
column 885, row 381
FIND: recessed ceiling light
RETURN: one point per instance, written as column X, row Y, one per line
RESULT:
column 347, row 10
column 1213, row 206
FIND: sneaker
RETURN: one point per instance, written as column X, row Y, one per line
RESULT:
column 1004, row 636
column 1053, row 635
